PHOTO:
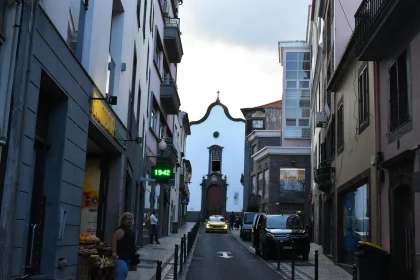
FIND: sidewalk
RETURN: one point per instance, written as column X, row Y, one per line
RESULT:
column 304, row 270
column 164, row 252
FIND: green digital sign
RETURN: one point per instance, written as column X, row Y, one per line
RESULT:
column 161, row 173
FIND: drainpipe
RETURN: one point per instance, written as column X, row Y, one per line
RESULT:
column 24, row 54
column 12, row 67
column 378, row 144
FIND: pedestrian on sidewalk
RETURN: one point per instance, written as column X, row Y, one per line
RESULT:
column 154, row 224
column 232, row 219
column 124, row 247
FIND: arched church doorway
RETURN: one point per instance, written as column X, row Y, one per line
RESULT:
column 214, row 200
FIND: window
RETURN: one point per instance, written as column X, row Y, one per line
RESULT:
column 363, row 98
column 216, row 157
column 266, row 183
column 253, row 151
column 157, row 54
column 398, row 93
column 258, row 124
column 297, row 95
column 153, row 119
column 340, row 128
column 260, row 184
column 147, row 62
column 161, row 130
column 152, row 12
column 138, row 105
column 144, row 19
column 138, row 13
column 254, row 184
column 290, row 122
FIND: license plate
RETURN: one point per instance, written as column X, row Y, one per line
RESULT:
column 287, row 247
column 216, row 227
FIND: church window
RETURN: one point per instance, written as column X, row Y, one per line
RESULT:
column 215, row 160
column 216, row 134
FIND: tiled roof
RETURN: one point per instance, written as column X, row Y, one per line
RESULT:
column 272, row 105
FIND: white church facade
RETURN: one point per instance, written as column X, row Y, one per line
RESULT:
column 216, row 152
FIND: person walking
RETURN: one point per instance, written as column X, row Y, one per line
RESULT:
column 124, row 247
column 231, row 220
column 154, row 224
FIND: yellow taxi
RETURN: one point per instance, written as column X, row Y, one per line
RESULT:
column 216, row 223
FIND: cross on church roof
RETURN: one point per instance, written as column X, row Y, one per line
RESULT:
column 218, row 92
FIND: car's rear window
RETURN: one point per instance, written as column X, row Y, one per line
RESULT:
column 283, row 222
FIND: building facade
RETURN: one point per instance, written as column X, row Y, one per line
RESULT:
column 75, row 159
column 216, row 154
column 396, row 68
column 263, row 128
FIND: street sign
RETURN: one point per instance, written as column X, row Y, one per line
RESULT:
column 225, row 255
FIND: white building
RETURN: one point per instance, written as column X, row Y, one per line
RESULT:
column 216, row 151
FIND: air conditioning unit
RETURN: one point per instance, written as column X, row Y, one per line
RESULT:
column 320, row 119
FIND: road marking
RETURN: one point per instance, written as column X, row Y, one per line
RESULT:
column 225, row 255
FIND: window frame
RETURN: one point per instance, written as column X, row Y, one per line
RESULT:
column 257, row 121
column 363, row 87
column 340, row 126
column 408, row 125
column 215, row 148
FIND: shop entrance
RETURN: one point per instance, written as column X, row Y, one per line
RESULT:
column 403, row 231
column 214, row 200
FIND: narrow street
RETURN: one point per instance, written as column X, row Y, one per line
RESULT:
column 220, row 256
column 227, row 256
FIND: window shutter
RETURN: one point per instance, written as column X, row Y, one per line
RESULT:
column 393, row 98
column 402, row 89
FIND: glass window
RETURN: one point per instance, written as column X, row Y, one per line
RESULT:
column 291, row 56
column 304, row 56
column 291, row 113
column 291, row 75
column 257, row 123
column 303, row 84
column 291, row 65
column 266, row 182
column 304, row 75
column 254, row 184
column 249, row 218
column 260, row 184
column 291, row 84
column 284, row 222
column 290, row 122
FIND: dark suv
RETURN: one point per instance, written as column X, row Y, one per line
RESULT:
column 246, row 228
column 268, row 229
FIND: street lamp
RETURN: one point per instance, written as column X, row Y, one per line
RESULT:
column 162, row 145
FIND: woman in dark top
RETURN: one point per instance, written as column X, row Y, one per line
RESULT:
column 123, row 246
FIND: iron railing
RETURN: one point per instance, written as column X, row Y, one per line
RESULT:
column 366, row 17
column 323, row 175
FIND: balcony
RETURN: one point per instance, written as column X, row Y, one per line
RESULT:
column 169, row 97
column 172, row 39
column 383, row 26
column 169, row 155
column 322, row 176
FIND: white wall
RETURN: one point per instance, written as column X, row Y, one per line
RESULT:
column 58, row 12
column 232, row 140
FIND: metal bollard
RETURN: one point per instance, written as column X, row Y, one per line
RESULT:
column 278, row 254
column 354, row 272
column 189, row 243
column 181, row 255
column 176, row 262
column 159, row 270
column 293, row 260
column 316, row 264
column 185, row 248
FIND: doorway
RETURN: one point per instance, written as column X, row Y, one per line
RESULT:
column 402, row 230
column 214, row 200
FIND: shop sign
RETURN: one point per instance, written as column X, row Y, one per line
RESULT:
column 102, row 114
column 292, row 179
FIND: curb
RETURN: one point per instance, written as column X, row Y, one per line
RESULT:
column 189, row 258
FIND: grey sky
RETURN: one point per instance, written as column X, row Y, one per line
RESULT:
column 231, row 46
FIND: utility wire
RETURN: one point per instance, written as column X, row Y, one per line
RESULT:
column 345, row 15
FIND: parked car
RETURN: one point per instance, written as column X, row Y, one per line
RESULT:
column 216, row 223
column 247, row 221
column 268, row 229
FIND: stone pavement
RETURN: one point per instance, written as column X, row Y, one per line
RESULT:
column 304, row 270
column 150, row 254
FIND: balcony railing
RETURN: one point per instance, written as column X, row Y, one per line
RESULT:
column 170, row 154
column 365, row 18
column 323, row 176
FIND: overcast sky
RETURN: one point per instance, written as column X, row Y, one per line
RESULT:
column 231, row 46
